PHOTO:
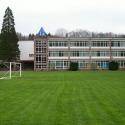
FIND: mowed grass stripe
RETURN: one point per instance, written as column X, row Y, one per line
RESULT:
column 106, row 107
column 63, row 98
column 21, row 106
column 69, row 111
column 113, row 94
column 111, row 103
column 46, row 114
column 34, row 107
column 89, row 103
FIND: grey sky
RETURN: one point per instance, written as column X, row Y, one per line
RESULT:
column 93, row 15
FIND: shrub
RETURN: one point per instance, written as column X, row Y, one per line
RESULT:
column 113, row 65
column 73, row 66
column 1, row 65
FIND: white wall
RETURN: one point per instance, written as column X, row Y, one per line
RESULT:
column 26, row 48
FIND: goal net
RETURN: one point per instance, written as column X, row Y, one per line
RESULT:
column 9, row 70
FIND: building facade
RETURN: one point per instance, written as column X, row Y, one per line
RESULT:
column 90, row 53
column 26, row 54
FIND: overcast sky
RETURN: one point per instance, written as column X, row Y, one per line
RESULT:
column 92, row 15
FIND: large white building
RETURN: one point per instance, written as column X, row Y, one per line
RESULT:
column 27, row 54
column 57, row 53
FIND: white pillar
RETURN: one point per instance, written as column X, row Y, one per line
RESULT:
column 20, row 69
column 10, row 69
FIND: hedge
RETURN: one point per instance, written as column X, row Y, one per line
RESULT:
column 113, row 65
column 73, row 66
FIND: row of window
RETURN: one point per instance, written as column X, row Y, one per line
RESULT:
column 93, row 65
column 100, row 43
column 118, row 53
column 58, row 53
column 58, row 64
column 79, row 44
column 41, row 43
column 87, row 44
column 40, row 58
column 41, row 50
column 59, row 43
column 118, row 44
column 86, row 53
column 121, row 64
column 79, row 53
column 40, row 66
column 98, row 64
column 83, row 64
column 108, row 43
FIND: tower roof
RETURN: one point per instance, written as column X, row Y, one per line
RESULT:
column 41, row 32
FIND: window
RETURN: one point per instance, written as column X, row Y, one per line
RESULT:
column 79, row 43
column 99, row 53
column 118, row 53
column 121, row 64
column 58, row 43
column 43, row 59
column 59, row 64
column 50, row 44
column 38, row 58
column 118, row 43
column 58, row 53
column 31, row 55
column 100, row 43
column 79, row 53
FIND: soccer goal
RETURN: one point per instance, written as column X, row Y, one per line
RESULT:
column 10, row 69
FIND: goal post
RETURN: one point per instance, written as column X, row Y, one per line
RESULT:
column 10, row 69
column 15, row 69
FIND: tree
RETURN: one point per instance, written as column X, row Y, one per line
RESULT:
column 73, row 66
column 22, row 37
column 61, row 32
column 9, row 50
column 49, row 34
column 113, row 65
column 31, row 36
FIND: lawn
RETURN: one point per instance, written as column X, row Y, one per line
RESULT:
column 63, row 98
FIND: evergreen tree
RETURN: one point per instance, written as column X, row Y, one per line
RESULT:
column 31, row 36
column 9, row 41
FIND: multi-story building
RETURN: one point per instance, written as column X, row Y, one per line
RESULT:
column 90, row 53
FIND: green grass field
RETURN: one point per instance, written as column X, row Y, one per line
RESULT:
column 63, row 98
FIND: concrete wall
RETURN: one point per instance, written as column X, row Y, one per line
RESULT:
column 26, row 50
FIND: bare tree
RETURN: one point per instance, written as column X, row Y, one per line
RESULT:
column 79, row 33
column 61, row 32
